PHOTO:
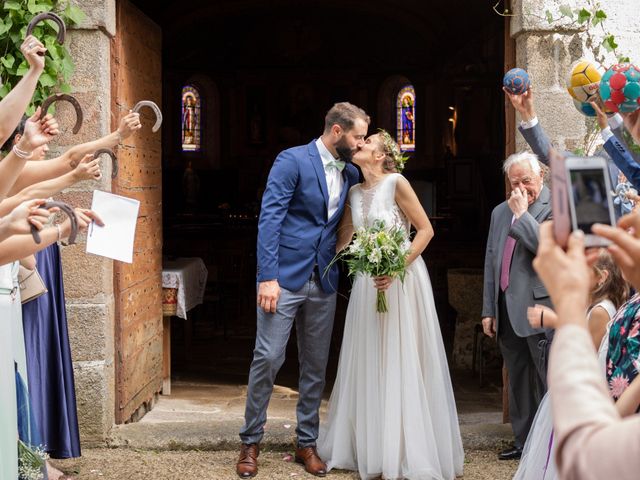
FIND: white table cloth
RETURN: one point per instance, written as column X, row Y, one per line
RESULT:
column 189, row 276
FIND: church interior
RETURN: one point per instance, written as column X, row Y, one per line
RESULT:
column 244, row 80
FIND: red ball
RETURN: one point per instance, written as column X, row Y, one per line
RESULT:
column 610, row 105
column 618, row 96
column 618, row 81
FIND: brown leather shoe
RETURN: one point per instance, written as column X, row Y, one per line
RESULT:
column 247, row 465
column 311, row 461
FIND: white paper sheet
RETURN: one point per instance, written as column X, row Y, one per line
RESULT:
column 115, row 239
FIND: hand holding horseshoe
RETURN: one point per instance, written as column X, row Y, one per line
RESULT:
column 114, row 159
column 67, row 98
column 62, row 29
column 66, row 209
column 156, row 110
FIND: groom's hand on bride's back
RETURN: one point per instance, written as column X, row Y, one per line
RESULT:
column 268, row 295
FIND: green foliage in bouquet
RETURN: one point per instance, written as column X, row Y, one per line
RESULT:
column 15, row 15
column 375, row 251
column 31, row 463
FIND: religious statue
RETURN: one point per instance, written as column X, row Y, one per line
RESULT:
column 189, row 120
column 407, row 119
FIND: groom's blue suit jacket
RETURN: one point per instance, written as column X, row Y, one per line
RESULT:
column 294, row 231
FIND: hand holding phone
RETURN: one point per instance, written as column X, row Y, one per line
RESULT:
column 590, row 198
column 580, row 197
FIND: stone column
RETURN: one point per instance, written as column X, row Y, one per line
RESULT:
column 88, row 278
column 547, row 52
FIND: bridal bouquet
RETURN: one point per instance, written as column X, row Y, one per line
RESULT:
column 375, row 251
column 31, row 462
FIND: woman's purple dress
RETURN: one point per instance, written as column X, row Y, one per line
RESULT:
column 49, row 367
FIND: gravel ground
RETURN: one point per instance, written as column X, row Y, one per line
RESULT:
column 128, row 464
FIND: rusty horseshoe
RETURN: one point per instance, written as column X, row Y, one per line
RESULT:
column 155, row 108
column 69, row 212
column 114, row 159
column 67, row 98
column 62, row 29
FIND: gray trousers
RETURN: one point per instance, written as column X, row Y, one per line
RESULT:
column 312, row 310
column 524, row 358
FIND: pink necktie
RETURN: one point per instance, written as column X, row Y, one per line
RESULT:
column 509, row 247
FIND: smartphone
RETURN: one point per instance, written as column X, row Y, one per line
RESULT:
column 590, row 197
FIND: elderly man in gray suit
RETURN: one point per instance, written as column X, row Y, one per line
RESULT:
column 511, row 286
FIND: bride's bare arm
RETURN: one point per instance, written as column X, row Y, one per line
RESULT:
column 408, row 202
column 345, row 229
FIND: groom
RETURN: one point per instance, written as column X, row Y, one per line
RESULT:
column 301, row 208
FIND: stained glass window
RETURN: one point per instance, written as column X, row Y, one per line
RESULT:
column 191, row 125
column 406, row 127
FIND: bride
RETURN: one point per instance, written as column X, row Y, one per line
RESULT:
column 392, row 411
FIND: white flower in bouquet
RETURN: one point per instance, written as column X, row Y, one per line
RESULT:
column 31, row 462
column 375, row 256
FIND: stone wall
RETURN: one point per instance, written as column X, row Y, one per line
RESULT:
column 89, row 279
column 547, row 53
column 465, row 287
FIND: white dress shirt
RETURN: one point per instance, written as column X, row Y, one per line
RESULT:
column 529, row 123
column 614, row 121
column 333, row 176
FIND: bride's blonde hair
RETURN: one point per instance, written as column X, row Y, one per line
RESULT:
column 394, row 158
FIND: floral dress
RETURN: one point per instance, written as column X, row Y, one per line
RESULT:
column 624, row 347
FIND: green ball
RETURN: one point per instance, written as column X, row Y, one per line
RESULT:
column 608, row 74
column 632, row 90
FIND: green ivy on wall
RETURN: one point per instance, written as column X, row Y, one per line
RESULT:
column 590, row 19
column 14, row 18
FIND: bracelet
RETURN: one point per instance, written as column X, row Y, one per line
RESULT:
column 21, row 153
column 59, row 232
column 541, row 318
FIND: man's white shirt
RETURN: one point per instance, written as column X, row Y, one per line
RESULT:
column 335, row 182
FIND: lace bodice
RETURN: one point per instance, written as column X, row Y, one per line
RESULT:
column 378, row 203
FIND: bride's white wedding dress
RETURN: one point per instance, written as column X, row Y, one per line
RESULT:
column 392, row 411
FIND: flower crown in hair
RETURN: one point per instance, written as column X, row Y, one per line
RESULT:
column 392, row 149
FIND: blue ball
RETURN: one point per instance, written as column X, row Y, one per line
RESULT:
column 516, row 81
column 584, row 108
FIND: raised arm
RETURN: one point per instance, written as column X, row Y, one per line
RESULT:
column 36, row 133
column 87, row 169
column 616, row 123
column 38, row 171
column 587, row 427
column 15, row 103
column 20, row 246
column 408, row 202
column 22, row 217
column 530, row 127
column 616, row 149
column 526, row 230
